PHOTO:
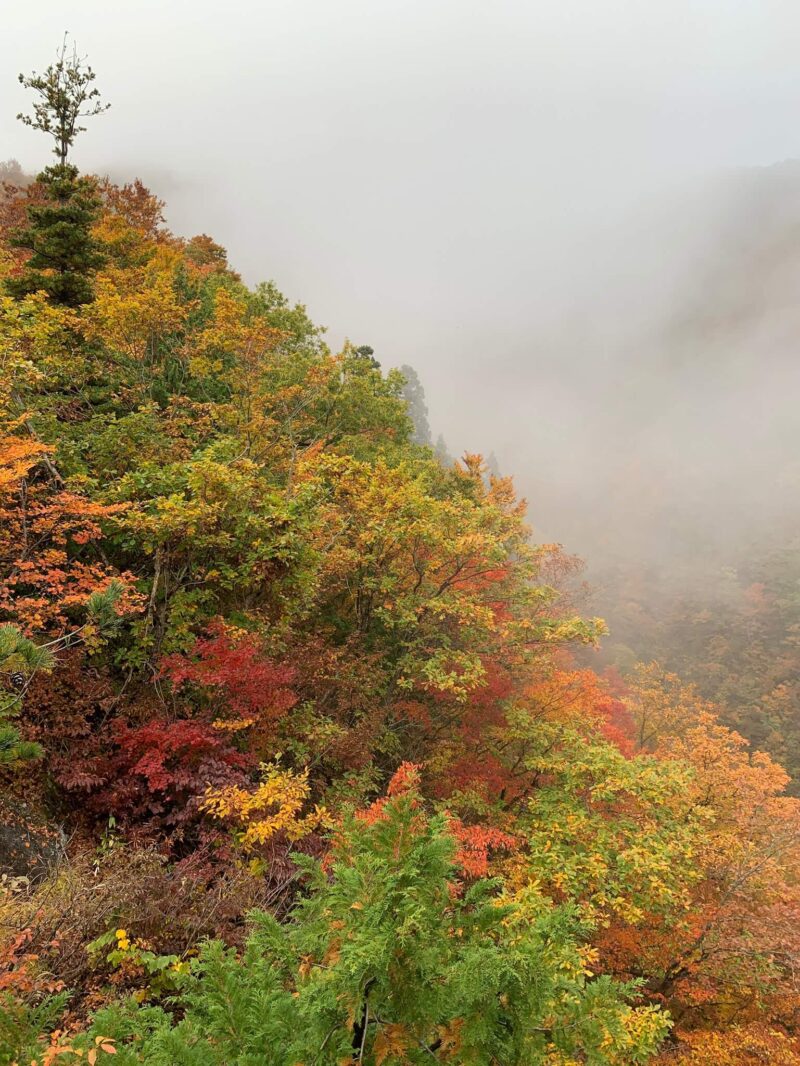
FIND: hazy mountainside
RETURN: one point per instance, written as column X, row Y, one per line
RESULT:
column 298, row 762
column 260, row 648
column 12, row 176
column 706, row 577
column 667, row 456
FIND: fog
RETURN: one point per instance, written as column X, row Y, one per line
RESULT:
column 575, row 220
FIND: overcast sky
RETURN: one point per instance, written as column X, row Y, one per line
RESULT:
column 478, row 189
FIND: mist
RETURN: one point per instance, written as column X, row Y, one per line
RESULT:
column 575, row 220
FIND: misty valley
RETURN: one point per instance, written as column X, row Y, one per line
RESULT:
column 319, row 743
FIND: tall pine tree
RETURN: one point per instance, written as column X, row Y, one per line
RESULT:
column 414, row 395
column 64, row 254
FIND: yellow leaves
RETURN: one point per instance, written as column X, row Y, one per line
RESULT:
column 661, row 705
column 36, row 343
column 736, row 1045
column 273, row 808
column 589, row 958
column 58, row 1048
column 233, row 725
column 233, row 334
column 137, row 307
column 423, row 560
column 209, row 514
column 641, row 1026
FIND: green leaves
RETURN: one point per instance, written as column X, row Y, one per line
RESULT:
column 614, row 834
column 20, row 658
column 385, row 961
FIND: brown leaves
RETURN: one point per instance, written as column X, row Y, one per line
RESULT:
column 391, row 1043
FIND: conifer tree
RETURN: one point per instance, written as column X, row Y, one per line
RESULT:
column 64, row 254
column 19, row 659
column 387, row 959
column 414, row 395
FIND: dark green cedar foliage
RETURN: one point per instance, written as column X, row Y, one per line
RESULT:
column 386, row 960
column 64, row 254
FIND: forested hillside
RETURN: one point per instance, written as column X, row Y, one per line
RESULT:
column 733, row 631
column 297, row 763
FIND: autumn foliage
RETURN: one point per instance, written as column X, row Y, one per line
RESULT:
column 335, row 679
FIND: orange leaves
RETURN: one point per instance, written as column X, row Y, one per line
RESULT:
column 475, row 844
column 43, row 529
column 738, row 784
column 135, row 205
column 17, row 457
column 409, row 621
column 20, row 969
column 737, row 940
column 450, row 1039
column 405, row 779
column 62, row 1044
column 758, row 1044
column 102, row 1043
